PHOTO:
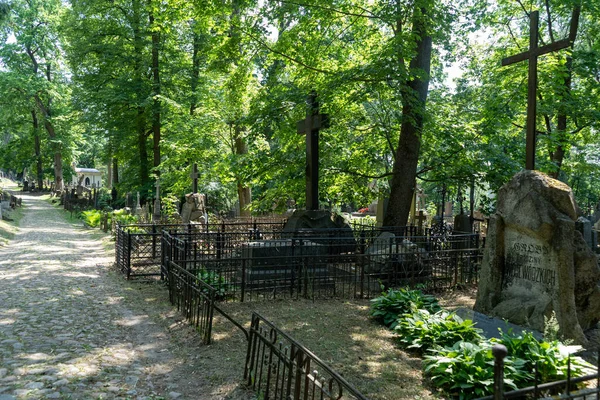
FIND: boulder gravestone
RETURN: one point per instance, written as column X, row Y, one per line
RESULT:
column 536, row 262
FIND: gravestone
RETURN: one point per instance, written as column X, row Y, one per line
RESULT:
column 279, row 261
column 536, row 262
column 194, row 208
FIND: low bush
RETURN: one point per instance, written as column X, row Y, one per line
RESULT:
column 91, row 218
column 396, row 302
column 466, row 370
column 422, row 330
column 551, row 358
column 215, row 280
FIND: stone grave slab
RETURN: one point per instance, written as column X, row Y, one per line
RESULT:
column 279, row 260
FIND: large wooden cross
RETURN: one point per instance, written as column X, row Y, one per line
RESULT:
column 532, row 54
column 194, row 176
column 310, row 126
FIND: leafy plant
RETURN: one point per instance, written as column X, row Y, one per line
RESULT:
column 422, row 330
column 551, row 358
column 466, row 370
column 91, row 218
column 215, row 280
column 396, row 302
column 122, row 218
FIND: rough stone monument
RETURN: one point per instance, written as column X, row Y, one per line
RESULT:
column 194, row 208
column 536, row 262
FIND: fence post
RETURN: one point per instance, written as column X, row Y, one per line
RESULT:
column 243, row 279
column 500, row 352
column 128, row 254
column 153, row 240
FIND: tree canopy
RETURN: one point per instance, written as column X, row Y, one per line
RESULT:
column 143, row 89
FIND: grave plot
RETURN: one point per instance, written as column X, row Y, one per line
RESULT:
column 321, row 264
column 139, row 247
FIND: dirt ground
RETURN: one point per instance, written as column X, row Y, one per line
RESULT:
column 340, row 332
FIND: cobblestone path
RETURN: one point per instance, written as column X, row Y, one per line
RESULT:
column 66, row 331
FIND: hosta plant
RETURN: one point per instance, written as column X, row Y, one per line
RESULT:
column 466, row 370
column 396, row 302
column 551, row 358
column 422, row 330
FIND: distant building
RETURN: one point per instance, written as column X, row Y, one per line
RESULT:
column 91, row 177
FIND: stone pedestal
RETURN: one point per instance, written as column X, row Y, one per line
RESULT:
column 536, row 262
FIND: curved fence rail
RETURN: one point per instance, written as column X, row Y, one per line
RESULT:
column 278, row 367
column 194, row 298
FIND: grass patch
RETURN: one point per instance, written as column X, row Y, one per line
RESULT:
column 8, row 229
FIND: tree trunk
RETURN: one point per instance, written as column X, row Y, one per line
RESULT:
column 414, row 98
column 140, row 118
column 115, row 164
column 155, row 92
column 558, row 155
column 244, row 192
column 38, row 152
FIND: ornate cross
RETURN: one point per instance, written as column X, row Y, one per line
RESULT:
column 310, row 127
column 532, row 54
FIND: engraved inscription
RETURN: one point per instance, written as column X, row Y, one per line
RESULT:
column 529, row 262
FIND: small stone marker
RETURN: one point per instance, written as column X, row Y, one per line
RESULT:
column 535, row 260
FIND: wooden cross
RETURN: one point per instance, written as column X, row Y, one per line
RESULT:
column 194, row 176
column 532, row 54
column 310, row 127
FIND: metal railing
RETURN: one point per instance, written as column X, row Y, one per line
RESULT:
column 277, row 264
column 581, row 388
column 194, row 298
column 278, row 367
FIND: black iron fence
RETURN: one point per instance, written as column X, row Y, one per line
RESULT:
column 581, row 388
column 278, row 367
column 194, row 298
column 321, row 264
column 139, row 247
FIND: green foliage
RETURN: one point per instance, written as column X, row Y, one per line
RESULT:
column 396, row 302
column 466, row 370
column 422, row 330
column 121, row 217
column 551, row 358
column 91, row 218
column 215, row 280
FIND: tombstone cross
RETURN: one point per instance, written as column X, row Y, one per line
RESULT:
column 532, row 54
column 420, row 219
column 194, row 176
column 310, row 127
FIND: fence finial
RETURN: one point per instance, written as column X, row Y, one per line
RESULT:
column 500, row 352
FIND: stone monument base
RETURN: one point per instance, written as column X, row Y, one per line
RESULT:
column 536, row 262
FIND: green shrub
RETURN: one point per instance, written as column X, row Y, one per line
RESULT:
column 122, row 218
column 422, row 330
column 91, row 218
column 396, row 302
column 215, row 280
column 552, row 358
column 466, row 370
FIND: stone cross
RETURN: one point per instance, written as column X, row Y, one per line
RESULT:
column 194, row 176
column 156, row 208
column 420, row 219
column 532, row 55
column 310, row 127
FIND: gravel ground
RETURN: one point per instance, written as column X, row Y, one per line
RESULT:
column 71, row 329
